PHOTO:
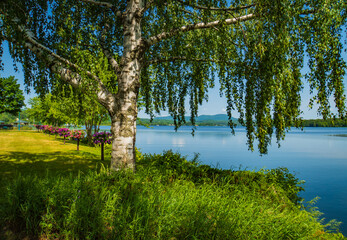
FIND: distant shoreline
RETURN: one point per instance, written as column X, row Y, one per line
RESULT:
column 222, row 120
column 340, row 135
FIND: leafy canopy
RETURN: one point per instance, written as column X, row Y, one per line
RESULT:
column 11, row 96
column 255, row 49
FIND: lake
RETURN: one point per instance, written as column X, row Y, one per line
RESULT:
column 314, row 155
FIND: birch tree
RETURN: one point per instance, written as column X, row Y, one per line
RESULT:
column 173, row 52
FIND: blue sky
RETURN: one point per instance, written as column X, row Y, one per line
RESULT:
column 215, row 105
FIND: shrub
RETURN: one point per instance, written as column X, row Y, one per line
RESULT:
column 102, row 138
column 64, row 132
column 172, row 166
column 26, row 128
column 77, row 135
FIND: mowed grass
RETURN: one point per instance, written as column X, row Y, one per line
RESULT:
column 32, row 152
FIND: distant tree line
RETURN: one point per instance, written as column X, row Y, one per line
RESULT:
column 305, row 123
column 325, row 123
column 170, row 122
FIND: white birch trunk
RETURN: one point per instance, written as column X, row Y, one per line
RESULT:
column 125, row 105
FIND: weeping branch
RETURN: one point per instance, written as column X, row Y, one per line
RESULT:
column 146, row 7
column 214, row 8
column 56, row 63
column 111, row 60
column 173, row 59
column 164, row 35
column 105, row 4
column 52, row 57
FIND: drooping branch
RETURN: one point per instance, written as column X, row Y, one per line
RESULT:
column 42, row 51
column 214, row 8
column 105, row 4
column 146, row 7
column 111, row 60
column 308, row 12
column 57, row 64
column 75, row 80
column 174, row 32
column 173, row 59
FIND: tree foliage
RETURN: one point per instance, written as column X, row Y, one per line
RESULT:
column 11, row 96
column 48, row 110
column 68, row 107
column 172, row 52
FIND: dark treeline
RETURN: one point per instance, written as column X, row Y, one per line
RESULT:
column 168, row 122
column 305, row 123
column 211, row 122
column 324, row 123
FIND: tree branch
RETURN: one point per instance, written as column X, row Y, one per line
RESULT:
column 105, row 4
column 164, row 35
column 56, row 63
column 111, row 60
column 308, row 11
column 146, row 7
column 41, row 50
column 173, row 59
column 214, row 8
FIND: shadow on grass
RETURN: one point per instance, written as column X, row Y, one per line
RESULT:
column 15, row 163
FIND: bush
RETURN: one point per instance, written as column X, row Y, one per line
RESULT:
column 170, row 166
column 26, row 128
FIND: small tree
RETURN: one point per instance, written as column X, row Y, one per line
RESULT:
column 11, row 97
column 55, row 131
column 47, row 109
column 102, row 138
column 38, row 127
column 77, row 135
column 65, row 132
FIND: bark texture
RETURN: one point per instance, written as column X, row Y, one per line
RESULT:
column 124, row 113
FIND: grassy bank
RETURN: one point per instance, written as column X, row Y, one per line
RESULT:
column 26, row 152
column 168, row 198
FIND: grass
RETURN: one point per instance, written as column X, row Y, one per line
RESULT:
column 168, row 198
column 27, row 152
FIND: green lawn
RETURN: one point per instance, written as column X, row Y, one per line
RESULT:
column 23, row 152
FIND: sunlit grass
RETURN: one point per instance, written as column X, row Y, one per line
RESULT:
column 23, row 152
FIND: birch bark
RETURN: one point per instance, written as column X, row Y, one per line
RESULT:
column 124, row 113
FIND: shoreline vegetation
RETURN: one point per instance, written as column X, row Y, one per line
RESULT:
column 52, row 191
column 340, row 135
column 208, row 120
column 222, row 120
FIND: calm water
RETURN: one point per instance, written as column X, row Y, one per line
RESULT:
column 315, row 155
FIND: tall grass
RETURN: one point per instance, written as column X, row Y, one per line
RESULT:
column 168, row 198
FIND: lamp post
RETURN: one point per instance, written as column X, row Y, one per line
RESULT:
column 19, row 121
